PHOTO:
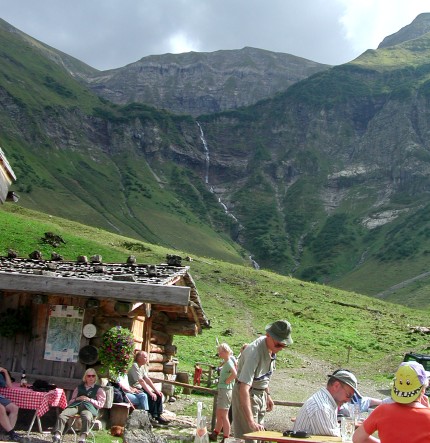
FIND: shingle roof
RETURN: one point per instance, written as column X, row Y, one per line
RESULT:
column 161, row 284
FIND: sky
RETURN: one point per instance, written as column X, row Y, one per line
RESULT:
column 108, row 34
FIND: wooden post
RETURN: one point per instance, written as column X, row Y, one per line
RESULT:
column 349, row 350
column 213, row 421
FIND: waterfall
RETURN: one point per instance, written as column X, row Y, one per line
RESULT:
column 206, row 150
column 255, row 265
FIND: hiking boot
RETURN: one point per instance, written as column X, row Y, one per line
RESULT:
column 213, row 436
column 162, row 421
column 13, row 436
column 56, row 438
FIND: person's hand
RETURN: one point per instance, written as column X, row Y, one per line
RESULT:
column 269, row 404
column 153, row 395
column 255, row 427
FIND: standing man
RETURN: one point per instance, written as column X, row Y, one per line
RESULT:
column 251, row 396
column 138, row 377
column 8, row 410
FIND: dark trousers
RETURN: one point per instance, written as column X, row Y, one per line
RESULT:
column 155, row 406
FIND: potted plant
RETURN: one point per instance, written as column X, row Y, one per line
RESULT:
column 116, row 351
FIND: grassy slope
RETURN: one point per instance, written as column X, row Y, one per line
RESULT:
column 163, row 218
column 240, row 301
column 132, row 202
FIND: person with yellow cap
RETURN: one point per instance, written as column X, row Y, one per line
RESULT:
column 406, row 419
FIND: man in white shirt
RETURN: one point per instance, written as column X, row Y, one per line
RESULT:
column 136, row 396
column 318, row 415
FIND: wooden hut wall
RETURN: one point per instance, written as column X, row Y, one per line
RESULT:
column 26, row 351
column 161, row 348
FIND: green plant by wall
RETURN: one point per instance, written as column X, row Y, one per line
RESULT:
column 15, row 321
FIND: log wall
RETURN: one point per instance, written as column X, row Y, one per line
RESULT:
column 27, row 350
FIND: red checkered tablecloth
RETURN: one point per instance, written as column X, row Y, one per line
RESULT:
column 26, row 398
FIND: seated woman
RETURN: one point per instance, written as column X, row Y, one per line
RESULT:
column 136, row 397
column 86, row 400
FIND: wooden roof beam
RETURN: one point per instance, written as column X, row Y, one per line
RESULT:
column 117, row 290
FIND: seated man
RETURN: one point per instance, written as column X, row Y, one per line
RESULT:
column 318, row 415
column 138, row 378
column 8, row 410
column 136, row 396
column 86, row 400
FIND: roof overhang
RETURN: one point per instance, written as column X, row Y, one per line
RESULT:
column 118, row 290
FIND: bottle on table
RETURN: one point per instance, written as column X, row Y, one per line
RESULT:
column 23, row 379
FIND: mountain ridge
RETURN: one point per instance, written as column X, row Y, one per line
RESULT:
column 203, row 83
column 327, row 181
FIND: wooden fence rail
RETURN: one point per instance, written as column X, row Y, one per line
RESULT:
column 214, row 392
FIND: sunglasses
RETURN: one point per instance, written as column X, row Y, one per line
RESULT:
column 91, row 375
column 278, row 344
column 348, row 395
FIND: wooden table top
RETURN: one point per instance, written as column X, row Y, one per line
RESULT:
column 278, row 437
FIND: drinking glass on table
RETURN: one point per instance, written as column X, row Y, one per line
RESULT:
column 347, row 429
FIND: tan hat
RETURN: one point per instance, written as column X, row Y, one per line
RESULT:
column 280, row 331
column 346, row 377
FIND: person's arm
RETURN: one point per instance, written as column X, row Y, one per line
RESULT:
column 98, row 402
column 6, row 376
column 153, row 391
column 361, row 436
column 233, row 374
column 74, row 395
column 100, row 399
column 125, row 388
column 245, row 401
column 269, row 402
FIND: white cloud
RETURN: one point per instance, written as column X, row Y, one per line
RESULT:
column 112, row 33
column 367, row 22
column 180, row 42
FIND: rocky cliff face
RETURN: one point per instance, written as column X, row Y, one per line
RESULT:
column 203, row 83
column 312, row 181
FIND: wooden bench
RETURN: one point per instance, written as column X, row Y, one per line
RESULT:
column 118, row 413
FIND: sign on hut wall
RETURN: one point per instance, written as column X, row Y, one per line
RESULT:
column 64, row 333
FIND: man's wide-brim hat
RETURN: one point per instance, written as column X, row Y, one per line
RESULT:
column 348, row 378
column 408, row 382
column 280, row 331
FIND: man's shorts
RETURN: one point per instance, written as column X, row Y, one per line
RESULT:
column 4, row 401
column 224, row 398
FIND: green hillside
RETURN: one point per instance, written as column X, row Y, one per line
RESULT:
column 327, row 182
column 328, row 324
column 97, row 175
